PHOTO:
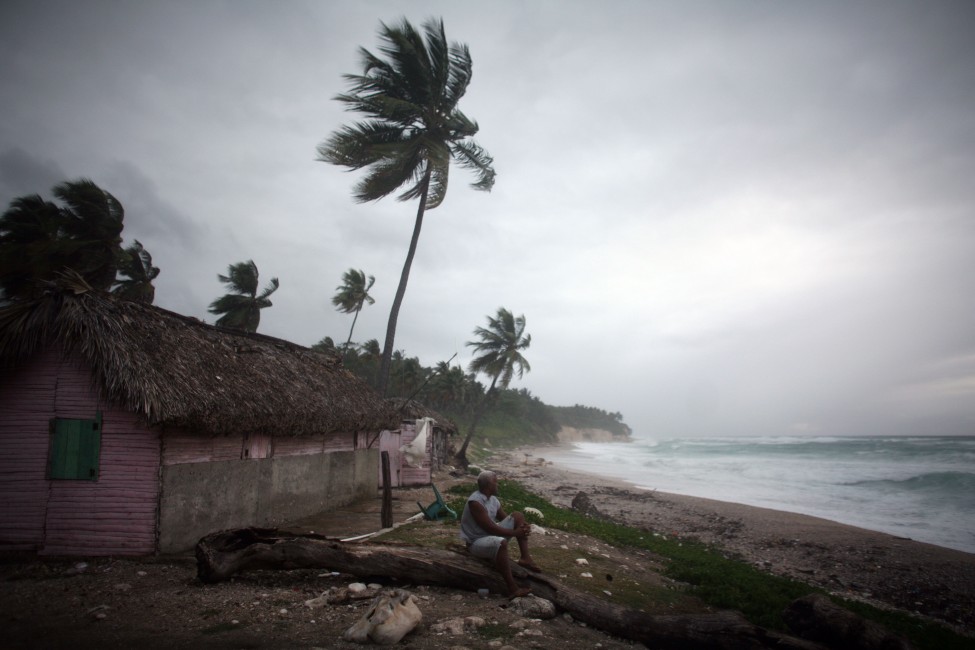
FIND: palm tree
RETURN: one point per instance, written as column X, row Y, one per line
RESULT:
column 498, row 355
column 412, row 132
column 40, row 238
column 242, row 308
column 370, row 350
column 450, row 387
column 352, row 294
column 369, row 356
column 137, row 274
column 409, row 376
column 324, row 345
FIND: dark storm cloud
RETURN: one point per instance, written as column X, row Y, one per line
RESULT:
column 718, row 217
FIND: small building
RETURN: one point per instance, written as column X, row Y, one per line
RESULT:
column 128, row 429
column 415, row 469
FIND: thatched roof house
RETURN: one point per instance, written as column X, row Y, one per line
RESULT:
column 180, row 371
column 183, row 427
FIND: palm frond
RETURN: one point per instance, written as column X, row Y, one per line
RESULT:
column 439, row 61
column 362, row 143
column 471, row 156
column 438, row 184
column 461, row 71
column 268, row 290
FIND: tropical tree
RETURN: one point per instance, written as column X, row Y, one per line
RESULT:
column 241, row 309
column 370, row 350
column 497, row 354
column 450, row 387
column 370, row 355
column 39, row 238
column 407, row 376
column 325, row 345
column 412, row 131
column 352, row 294
column 137, row 273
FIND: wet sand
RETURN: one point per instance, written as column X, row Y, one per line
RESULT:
column 854, row 562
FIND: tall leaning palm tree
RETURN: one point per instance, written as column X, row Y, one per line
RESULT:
column 241, row 309
column 136, row 275
column 498, row 355
column 352, row 294
column 412, row 131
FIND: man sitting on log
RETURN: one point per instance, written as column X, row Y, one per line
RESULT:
column 485, row 528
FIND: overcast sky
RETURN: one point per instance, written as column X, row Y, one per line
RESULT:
column 718, row 218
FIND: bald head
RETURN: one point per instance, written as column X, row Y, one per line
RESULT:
column 485, row 478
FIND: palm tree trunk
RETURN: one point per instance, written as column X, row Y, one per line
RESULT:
column 462, row 454
column 351, row 329
column 401, row 289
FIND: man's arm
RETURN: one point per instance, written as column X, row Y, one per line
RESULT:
column 483, row 519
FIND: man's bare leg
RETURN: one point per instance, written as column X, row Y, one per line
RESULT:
column 526, row 557
column 503, row 565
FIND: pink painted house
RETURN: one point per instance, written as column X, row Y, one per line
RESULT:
column 406, row 471
column 127, row 429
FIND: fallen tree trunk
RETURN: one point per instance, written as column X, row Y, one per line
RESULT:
column 221, row 555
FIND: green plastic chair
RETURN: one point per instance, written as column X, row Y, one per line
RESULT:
column 438, row 509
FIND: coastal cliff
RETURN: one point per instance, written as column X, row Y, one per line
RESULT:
column 572, row 434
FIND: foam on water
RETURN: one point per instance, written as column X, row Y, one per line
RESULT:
column 917, row 487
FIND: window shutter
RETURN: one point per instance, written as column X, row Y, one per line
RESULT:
column 75, row 448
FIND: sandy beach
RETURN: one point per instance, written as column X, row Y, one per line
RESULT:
column 857, row 563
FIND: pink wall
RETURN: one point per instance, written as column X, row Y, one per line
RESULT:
column 115, row 515
column 181, row 446
column 401, row 473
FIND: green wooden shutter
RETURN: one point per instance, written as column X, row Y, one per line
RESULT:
column 75, row 446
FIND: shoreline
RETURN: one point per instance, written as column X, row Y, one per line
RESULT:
column 855, row 563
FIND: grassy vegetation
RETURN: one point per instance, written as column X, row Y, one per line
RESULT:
column 714, row 578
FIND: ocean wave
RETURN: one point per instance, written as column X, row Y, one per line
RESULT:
column 949, row 482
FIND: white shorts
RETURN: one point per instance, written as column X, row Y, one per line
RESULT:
column 487, row 547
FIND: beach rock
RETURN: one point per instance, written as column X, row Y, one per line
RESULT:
column 817, row 618
column 581, row 503
column 458, row 626
column 532, row 606
column 315, row 603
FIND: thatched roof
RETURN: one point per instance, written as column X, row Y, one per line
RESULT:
column 413, row 410
column 180, row 371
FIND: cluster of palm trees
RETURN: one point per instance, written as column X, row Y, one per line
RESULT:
column 411, row 132
column 80, row 232
column 413, row 129
column 497, row 354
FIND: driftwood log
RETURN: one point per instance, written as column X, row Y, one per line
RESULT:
column 817, row 617
column 221, row 555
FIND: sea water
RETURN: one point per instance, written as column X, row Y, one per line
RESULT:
column 922, row 488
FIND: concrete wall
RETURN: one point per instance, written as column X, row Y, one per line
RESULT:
column 202, row 498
